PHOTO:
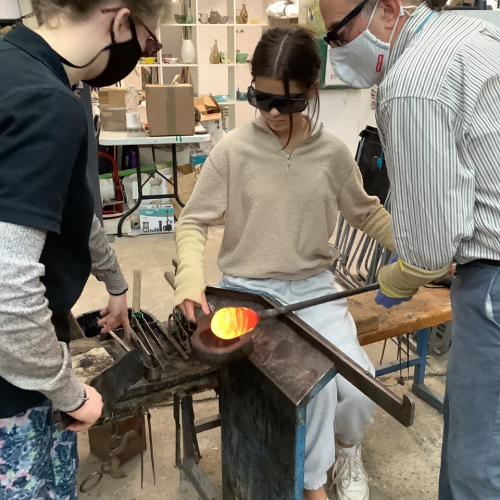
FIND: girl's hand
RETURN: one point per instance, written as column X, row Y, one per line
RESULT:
column 89, row 413
column 187, row 308
column 115, row 315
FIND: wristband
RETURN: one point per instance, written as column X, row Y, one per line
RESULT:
column 85, row 399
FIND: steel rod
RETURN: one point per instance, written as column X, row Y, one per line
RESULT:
column 157, row 340
column 278, row 311
column 145, row 337
column 120, row 341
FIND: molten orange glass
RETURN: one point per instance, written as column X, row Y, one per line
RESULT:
column 233, row 322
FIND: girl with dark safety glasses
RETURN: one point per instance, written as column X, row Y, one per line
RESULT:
column 280, row 181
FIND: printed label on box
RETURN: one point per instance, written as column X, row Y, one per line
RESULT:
column 157, row 219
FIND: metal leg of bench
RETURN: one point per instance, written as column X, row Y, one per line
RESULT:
column 419, row 362
column 419, row 388
column 186, row 429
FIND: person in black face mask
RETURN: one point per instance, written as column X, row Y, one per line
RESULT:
column 108, row 49
column 51, row 240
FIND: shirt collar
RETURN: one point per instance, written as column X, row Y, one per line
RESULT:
column 409, row 30
column 34, row 45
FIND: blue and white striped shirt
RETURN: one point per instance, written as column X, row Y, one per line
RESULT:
column 438, row 112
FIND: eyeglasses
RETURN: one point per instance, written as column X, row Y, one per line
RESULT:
column 267, row 102
column 333, row 35
column 153, row 45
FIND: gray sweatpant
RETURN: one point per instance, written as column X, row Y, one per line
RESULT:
column 339, row 408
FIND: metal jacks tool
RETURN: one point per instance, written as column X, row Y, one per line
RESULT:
column 143, row 413
column 152, row 366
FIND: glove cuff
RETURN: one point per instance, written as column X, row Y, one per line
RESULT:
column 402, row 280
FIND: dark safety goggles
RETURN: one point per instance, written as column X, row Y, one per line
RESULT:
column 333, row 35
column 153, row 45
column 267, row 102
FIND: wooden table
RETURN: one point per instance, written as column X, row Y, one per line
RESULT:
column 428, row 308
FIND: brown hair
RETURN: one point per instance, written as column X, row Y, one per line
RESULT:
column 82, row 9
column 436, row 4
column 289, row 54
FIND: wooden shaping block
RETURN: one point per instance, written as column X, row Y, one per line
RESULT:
column 366, row 320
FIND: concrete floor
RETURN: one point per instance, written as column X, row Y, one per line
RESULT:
column 403, row 464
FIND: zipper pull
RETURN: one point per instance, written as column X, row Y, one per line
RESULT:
column 288, row 162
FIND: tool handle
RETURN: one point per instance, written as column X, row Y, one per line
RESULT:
column 169, row 276
column 125, row 347
column 278, row 311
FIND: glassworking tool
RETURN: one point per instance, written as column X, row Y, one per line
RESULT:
column 145, row 337
column 233, row 322
column 157, row 340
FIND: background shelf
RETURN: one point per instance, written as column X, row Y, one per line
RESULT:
column 217, row 79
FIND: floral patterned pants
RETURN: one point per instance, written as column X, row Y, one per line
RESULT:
column 37, row 462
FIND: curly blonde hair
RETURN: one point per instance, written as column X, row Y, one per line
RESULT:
column 82, row 9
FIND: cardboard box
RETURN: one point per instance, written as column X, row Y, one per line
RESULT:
column 206, row 105
column 170, row 110
column 114, row 119
column 114, row 97
column 157, row 219
column 185, row 169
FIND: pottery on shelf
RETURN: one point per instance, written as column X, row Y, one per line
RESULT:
column 224, row 19
column 189, row 17
column 214, row 17
column 241, row 58
column 180, row 19
column 241, row 96
column 188, row 53
column 242, row 18
column 203, row 18
column 215, row 54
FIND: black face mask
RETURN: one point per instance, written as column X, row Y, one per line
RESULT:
column 123, row 58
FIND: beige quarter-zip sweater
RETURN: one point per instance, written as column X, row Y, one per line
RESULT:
column 281, row 210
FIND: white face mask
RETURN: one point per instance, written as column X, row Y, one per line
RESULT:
column 362, row 62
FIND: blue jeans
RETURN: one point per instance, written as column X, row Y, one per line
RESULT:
column 470, row 464
column 36, row 460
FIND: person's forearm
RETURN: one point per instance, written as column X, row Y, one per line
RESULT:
column 105, row 265
column 31, row 357
column 378, row 227
column 189, row 281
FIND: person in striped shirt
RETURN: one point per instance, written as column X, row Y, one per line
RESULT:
column 438, row 112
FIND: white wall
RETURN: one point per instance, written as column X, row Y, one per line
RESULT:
column 346, row 113
column 9, row 9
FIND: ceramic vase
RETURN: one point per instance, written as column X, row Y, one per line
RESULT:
column 188, row 53
column 215, row 54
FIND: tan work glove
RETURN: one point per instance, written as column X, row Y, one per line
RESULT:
column 402, row 280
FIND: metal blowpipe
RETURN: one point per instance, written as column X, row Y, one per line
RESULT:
column 278, row 311
column 232, row 322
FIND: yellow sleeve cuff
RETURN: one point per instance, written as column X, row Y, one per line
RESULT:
column 189, row 281
column 378, row 227
column 401, row 280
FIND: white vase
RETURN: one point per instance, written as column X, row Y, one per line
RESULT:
column 188, row 54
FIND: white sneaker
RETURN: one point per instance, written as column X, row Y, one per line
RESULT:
column 349, row 476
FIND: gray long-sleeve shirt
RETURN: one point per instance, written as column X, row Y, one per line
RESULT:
column 31, row 357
